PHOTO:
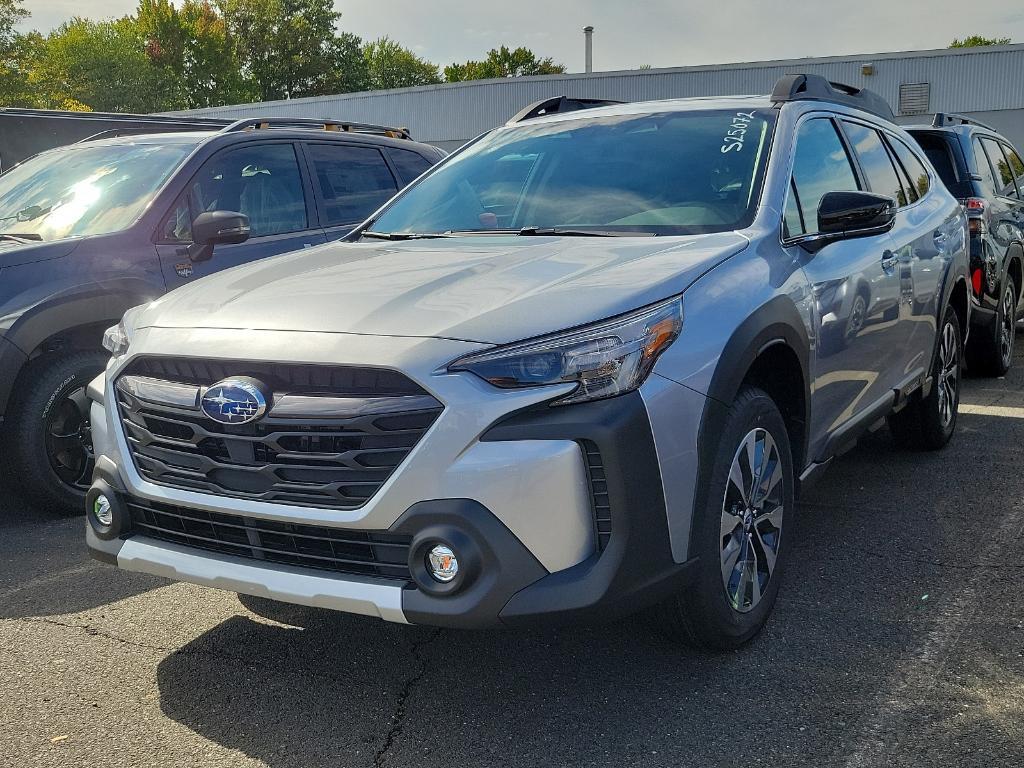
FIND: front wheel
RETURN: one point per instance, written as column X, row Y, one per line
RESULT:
column 739, row 538
column 928, row 423
column 48, row 434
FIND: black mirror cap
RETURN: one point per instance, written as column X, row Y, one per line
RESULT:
column 220, row 227
column 855, row 214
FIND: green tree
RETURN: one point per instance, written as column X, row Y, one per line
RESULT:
column 290, row 48
column 977, row 40
column 503, row 62
column 389, row 65
column 191, row 44
column 16, row 53
column 103, row 66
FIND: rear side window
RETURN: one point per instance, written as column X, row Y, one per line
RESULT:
column 410, row 164
column 917, row 175
column 876, row 162
column 820, row 165
column 988, row 183
column 1005, row 185
column 261, row 180
column 353, row 181
column 1016, row 166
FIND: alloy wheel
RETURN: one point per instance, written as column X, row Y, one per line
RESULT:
column 69, row 439
column 1008, row 327
column 752, row 512
column 949, row 374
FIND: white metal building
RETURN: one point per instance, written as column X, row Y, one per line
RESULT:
column 986, row 83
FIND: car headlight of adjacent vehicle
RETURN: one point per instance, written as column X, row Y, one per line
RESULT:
column 604, row 359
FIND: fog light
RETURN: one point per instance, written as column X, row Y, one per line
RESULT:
column 101, row 510
column 442, row 563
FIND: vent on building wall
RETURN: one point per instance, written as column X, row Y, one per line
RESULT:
column 914, row 98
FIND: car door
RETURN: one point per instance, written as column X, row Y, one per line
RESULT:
column 351, row 181
column 262, row 180
column 851, row 281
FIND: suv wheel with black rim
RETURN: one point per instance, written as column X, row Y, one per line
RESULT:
column 739, row 533
column 991, row 354
column 48, row 435
column 928, row 423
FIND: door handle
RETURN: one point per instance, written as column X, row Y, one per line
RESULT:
column 889, row 261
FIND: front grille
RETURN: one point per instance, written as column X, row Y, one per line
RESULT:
column 338, row 435
column 362, row 553
column 598, row 493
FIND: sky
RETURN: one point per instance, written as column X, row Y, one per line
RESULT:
column 660, row 33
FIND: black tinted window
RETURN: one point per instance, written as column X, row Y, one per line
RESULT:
column 821, row 165
column 1016, row 166
column 875, row 162
column 917, row 176
column 989, row 185
column 409, row 164
column 262, row 181
column 1005, row 184
column 353, row 181
column 940, row 155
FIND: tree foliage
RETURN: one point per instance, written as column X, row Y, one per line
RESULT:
column 187, row 54
column 977, row 40
column 389, row 65
column 503, row 62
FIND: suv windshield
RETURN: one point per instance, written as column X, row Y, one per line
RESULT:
column 84, row 190
column 666, row 173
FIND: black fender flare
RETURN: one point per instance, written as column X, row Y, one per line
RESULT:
column 776, row 322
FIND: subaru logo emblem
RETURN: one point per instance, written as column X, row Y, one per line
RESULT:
column 234, row 401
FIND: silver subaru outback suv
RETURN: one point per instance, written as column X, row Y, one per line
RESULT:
column 579, row 369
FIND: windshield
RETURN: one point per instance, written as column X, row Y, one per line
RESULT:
column 664, row 174
column 84, row 190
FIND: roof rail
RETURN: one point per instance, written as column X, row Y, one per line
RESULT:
column 111, row 133
column 558, row 105
column 818, row 88
column 261, row 123
column 942, row 119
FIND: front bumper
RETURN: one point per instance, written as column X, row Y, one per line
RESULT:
column 510, row 480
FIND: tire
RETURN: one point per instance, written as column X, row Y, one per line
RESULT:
column 928, row 423
column 47, row 433
column 991, row 354
column 724, row 608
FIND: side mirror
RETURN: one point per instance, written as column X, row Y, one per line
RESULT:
column 216, row 228
column 843, row 215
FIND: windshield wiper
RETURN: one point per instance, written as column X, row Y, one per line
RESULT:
column 27, row 237
column 568, row 232
column 402, row 235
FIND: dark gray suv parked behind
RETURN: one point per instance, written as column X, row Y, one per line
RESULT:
column 90, row 230
column 983, row 170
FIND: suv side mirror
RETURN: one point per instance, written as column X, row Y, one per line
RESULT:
column 216, row 228
column 843, row 215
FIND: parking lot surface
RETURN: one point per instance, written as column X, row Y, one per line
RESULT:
column 898, row 640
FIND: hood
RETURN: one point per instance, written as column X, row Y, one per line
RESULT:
column 13, row 253
column 489, row 289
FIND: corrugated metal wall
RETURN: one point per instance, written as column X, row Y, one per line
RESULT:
column 961, row 80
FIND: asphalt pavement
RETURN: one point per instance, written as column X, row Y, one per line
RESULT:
column 898, row 640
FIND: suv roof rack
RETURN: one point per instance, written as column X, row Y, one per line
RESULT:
column 262, row 123
column 558, row 105
column 111, row 133
column 942, row 119
column 818, row 88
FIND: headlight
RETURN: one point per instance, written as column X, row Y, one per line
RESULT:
column 116, row 339
column 604, row 359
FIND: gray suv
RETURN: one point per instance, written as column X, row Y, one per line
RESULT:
column 580, row 368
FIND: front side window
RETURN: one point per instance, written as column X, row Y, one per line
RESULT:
column 353, row 181
column 875, row 161
column 820, row 166
column 262, row 181
column 660, row 174
column 84, row 190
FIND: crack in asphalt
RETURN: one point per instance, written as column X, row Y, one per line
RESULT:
column 398, row 718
